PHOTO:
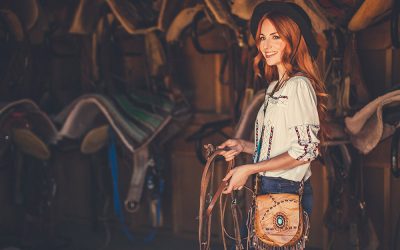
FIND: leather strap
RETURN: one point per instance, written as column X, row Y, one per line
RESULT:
column 205, row 219
column 394, row 159
column 217, row 195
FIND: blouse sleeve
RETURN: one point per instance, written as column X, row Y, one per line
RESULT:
column 302, row 120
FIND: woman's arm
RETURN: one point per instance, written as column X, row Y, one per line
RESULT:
column 238, row 176
column 279, row 162
column 248, row 147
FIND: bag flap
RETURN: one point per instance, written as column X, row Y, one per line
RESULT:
column 277, row 219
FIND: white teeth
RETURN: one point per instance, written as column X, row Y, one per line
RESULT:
column 270, row 54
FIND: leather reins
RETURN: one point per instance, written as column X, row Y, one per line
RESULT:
column 205, row 210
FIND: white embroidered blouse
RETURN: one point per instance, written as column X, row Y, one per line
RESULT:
column 291, row 125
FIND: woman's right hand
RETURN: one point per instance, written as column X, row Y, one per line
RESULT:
column 233, row 146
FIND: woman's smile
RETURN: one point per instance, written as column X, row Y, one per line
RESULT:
column 270, row 54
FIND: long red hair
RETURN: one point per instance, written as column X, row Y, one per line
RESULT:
column 296, row 58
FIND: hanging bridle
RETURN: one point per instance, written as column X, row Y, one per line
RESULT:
column 206, row 208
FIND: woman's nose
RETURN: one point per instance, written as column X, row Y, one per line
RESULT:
column 266, row 45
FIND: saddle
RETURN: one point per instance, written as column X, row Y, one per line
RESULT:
column 369, row 13
column 26, row 135
column 26, row 10
column 219, row 12
column 40, row 123
column 368, row 127
column 181, row 21
column 25, row 126
column 216, row 11
column 135, row 133
column 136, row 17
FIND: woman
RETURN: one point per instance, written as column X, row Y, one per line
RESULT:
column 287, row 128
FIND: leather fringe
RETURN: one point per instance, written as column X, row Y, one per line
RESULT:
column 260, row 245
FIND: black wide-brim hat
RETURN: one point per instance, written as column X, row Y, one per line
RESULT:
column 291, row 10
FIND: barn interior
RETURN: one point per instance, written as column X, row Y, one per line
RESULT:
column 106, row 105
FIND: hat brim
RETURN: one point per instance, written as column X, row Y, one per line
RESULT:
column 291, row 10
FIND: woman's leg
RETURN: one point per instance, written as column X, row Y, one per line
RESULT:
column 307, row 199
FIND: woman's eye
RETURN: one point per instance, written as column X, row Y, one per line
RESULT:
column 262, row 38
column 276, row 37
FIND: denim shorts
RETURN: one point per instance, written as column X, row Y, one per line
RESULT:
column 276, row 185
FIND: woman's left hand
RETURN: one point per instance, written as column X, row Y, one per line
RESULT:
column 237, row 178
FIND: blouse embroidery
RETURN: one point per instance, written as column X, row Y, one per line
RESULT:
column 282, row 99
column 256, row 141
column 304, row 140
column 271, row 134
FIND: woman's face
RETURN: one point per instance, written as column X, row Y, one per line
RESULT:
column 271, row 44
